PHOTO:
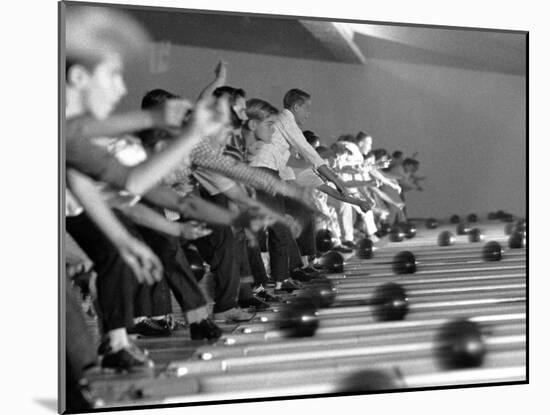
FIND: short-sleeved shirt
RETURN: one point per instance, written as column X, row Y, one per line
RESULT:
column 287, row 135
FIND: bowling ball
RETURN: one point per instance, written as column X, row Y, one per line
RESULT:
column 445, row 238
column 462, row 229
column 365, row 249
column 492, row 251
column 455, row 219
column 397, row 234
column 472, row 218
column 390, row 302
column 460, row 344
column 499, row 214
column 492, row 216
column 475, row 235
column 509, row 228
column 408, row 229
column 196, row 263
column 517, row 240
column 404, row 263
column 324, row 240
column 521, row 225
column 507, row 217
column 370, row 380
column 322, row 292
column 299, row 318
column 383, row 230
column 432, row 223
column 331, row 262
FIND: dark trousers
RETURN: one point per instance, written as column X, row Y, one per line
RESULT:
column 117, row 287
column 177, row 274
column 283, row 251
column 306, row 240
column 257, row 267
column 218, row 250
column 79, row 344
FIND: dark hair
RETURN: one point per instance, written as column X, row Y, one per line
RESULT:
column 339, row 148
column 361, row 135
column 396, row 154
column 156, row 97
column 151, row 136
column 295, row 96
column 410, row 161
column 232, row 94
column 325, row 152
column 311, row 137
column 347, row 138
column 378, row 153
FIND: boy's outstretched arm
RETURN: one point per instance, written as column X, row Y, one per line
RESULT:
column 143, row 262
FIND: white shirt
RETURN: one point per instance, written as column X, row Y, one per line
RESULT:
column 129, row 152
column 275, row 155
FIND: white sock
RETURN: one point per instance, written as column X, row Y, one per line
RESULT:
column 118, row 339
column 278, row 285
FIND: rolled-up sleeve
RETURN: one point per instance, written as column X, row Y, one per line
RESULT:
column 206, row 157
column 294, row 136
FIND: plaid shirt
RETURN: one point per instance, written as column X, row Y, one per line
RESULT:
column 206, row 156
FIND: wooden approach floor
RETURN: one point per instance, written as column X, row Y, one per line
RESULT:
column 255, row 359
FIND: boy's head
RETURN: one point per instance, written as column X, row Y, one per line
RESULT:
column 364, row 142
column 397, row 157
column 299, row 103
column 326, row 154
column 261, row 117
column 341, row 153
column 237, row 102
column 349, row 138
column 382, row 158
column 152, row 138
column 98, row 43
column 411, row 165
column 312, row 138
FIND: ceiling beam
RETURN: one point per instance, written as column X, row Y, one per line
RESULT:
column 336, row 39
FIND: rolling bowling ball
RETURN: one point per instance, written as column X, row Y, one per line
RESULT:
column 499, row 214
column 445, row 238
column 331, row 262
column 460, row 345
column 321, row 291
column 521, row 225
column 370, row 380
column 364, row 250
column 432, row 223
column 509, row 228
column 508, row 218
column 397, row 234
column 324, row 240
column 404, row 263
column 462, row 229
column 492, row 216
column 408, row 229
column 298, row 317
column 517, row 240
column 455, row 219
column 475, row 235
column 492, row 251
column 196, row 263
column 383, row 230
column 390, row 302
column 472, row 218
